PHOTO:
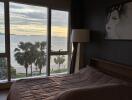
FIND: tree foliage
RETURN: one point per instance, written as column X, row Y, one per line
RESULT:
column 40, row 55
column 28, row 54
column 60, row 59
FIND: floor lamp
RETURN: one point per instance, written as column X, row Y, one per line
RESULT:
column 81, row 37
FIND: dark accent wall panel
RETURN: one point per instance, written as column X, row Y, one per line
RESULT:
column 77, row 12
column 55, row 4
column 114, row 50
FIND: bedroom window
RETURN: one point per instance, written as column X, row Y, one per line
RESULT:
column 58, row 64
column 59, row 41
column 34, row 41
column 59, row 30
column 28, row 36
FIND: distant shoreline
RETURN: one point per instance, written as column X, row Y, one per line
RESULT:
column 34, row 35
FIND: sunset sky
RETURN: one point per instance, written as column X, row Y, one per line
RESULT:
column 32, row 20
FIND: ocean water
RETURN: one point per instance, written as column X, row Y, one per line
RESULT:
column 56, row 44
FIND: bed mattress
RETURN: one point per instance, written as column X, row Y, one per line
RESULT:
column 48, row 88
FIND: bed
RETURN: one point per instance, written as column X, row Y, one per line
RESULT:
column 61, row 87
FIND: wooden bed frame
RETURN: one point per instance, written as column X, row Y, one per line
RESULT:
column 121, row 71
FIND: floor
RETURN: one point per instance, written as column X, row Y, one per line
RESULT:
column 3, row 95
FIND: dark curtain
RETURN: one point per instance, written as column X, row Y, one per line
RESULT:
column 72, row 66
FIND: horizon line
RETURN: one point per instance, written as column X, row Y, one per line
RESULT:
column 30, row 35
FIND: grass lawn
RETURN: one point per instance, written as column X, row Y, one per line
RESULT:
column 22, row 75
column 59, row 70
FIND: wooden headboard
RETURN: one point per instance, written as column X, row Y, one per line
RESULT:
column 114, row 69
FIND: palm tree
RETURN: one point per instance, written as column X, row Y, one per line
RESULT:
column 40, row 55
column 59, row 60
column 22, row 55
column 21, row 58
column 40, row 61
column 32, row 55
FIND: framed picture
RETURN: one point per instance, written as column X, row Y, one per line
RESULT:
column 119, row 21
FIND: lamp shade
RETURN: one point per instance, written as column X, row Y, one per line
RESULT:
column 80, row 35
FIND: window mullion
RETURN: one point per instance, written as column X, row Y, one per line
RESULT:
column 60, row 53
column 69, row 42
column 48, row 42
column 7, row 37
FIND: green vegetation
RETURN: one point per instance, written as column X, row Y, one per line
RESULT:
column 28, row 54
column 13, row 72
column 59, row 70
column 60, row 59
column 4, row 69
column 21, row 75
column 40, row 56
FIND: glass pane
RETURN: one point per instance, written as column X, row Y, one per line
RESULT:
column 2, row 29
column 59, row 29
column 59, row 64
column 28, row 39
column 3, row 69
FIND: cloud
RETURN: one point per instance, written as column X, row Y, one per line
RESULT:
column 28, row 29
column 35, row 15
column 32, row 20
column 16, row 6
column 22, row 19
column 27, row 14
column 59, row 18
column 1, row 18
column 1, row 8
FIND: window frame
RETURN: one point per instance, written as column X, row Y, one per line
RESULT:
column 6, row 54
column 49, row 52
column 68, row 51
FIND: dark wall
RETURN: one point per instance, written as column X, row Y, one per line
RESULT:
column 91, row 14
column 94, row 19
column 77, row 12
column 54, row 4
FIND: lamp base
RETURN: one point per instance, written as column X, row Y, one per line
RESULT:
column 80, row 63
